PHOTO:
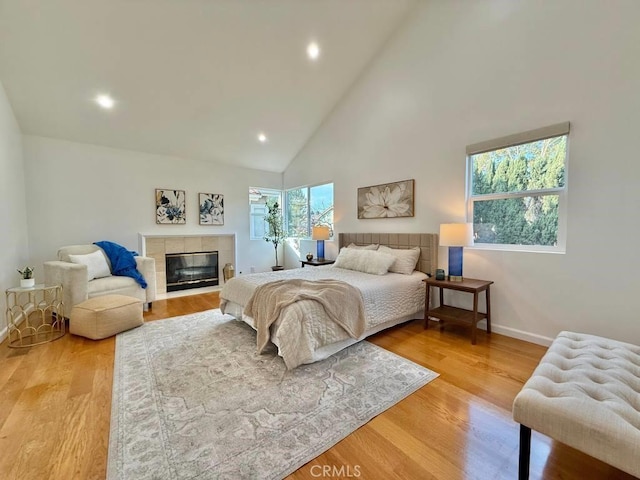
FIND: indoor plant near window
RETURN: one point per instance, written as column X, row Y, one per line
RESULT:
column 275, row 233
column 27, row 277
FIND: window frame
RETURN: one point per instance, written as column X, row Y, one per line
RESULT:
column 531, row 136
column 308, row 188
column 270, row 192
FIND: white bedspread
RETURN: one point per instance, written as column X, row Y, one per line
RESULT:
column 301, row 330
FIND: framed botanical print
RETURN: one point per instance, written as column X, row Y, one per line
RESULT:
column 388, row 200
column 170, row 206
column 211, row 209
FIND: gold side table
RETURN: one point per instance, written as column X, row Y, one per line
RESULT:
column 35, row 315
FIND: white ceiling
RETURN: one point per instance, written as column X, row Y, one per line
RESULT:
column 191, row 78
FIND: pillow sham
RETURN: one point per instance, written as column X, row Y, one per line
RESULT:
column 96, row 263
column 372, row 246
column 367, row 261
column 405, row 259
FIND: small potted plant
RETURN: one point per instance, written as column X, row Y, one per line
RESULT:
column 275, row 233
column 27, row 279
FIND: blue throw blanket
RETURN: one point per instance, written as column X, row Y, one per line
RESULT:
column 122, row 261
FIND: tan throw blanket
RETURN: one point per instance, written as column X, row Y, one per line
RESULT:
column 341, row 302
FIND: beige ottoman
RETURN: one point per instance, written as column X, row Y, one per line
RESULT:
column 102, row 317
column 585, row 393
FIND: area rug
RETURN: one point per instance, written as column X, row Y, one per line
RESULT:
column 192, row 399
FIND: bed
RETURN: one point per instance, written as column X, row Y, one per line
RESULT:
column 303, row 334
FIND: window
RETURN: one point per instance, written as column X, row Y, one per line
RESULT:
column 258, row 198
column 306, row 207
column 516, row 190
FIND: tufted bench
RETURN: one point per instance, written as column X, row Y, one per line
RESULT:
column 585, row 393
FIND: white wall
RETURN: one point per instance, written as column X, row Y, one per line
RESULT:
column 460, row 72
column 14, row 244
column 80, row 193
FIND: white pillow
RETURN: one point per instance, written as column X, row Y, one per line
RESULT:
column 96, row 263
column 406, row 259
column 372, row 246
column 367, row 261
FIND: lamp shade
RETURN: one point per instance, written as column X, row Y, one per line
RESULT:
column 456, row 234
column 320, row 232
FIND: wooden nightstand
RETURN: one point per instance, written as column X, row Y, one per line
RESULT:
column 459, row 315
column 315, row 262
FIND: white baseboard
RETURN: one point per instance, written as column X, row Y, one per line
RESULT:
column 521, row 335
column 3, row 334
column 513, row 333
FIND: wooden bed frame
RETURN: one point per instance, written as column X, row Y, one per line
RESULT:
column 428, row 243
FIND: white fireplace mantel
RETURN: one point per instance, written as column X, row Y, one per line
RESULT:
column 158, row 245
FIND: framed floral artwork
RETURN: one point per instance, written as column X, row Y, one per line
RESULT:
column 170, row 206
column 211, row 209
column 388, row 200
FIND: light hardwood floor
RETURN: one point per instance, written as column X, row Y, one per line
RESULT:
column 55, row 405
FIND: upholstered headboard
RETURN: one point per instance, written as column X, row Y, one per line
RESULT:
column 428, row 243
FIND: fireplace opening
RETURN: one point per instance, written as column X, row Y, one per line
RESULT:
column 191, row 270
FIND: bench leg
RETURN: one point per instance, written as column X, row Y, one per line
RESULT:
column 525, row 452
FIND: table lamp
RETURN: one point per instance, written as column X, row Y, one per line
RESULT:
column 320, row 233
column 456, row 236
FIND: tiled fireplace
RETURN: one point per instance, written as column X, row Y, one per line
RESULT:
column 157, row 246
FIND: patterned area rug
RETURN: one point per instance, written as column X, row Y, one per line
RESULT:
column 192, row 399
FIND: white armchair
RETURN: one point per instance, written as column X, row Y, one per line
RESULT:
column 76, row 287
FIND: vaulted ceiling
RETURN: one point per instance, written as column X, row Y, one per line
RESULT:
column 197, row 79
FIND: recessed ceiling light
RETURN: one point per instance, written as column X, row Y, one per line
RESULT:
column 313, row 50
column 262, row 138
column 105, row 101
